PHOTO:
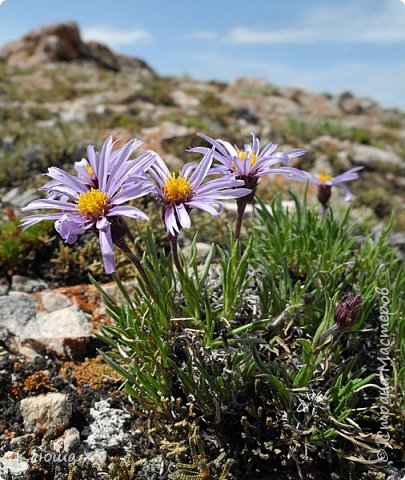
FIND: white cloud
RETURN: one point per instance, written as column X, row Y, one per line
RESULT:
column 117, row 37
column 355, row 22
column 202, row 35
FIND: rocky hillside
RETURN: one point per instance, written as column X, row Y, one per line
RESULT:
column 58, row 93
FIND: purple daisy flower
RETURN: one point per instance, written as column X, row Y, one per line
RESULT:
column 249, row 161
column 249, row 164
column 96, row 197
column 325, row 182
column 182, row 192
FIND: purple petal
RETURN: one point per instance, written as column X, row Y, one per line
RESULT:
column 129, row 169
column 69, row 227
column 219, row 194
column 207, row 207
column 139, row 189
column 93, row 160
column 49, row 204
column 347, row 176
column 121, row 156
column 217, row 144
column 200, row 172
column 348, row 194
column 82, row 171
column 33, row 219
column 127, row 211
column 66, row 179
column 188, row 169
column 268, row 149
column 107, row 248
column 283, row 170
column 171, row 222
column 104, row 163
column 218, row 184
column 183, row 216
column 255, row 144
column 295, row 152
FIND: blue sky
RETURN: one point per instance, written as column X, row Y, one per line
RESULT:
column 325, row 46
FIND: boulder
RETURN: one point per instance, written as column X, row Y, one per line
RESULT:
column 55, row 43
column 58, row 331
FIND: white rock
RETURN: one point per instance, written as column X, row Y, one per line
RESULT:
column 71, row 440
column 45, row 412
column 50, row 329
column 53, row 301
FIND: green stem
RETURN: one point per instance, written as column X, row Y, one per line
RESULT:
column 175, row 254
column 241, row 204
column 122, row 244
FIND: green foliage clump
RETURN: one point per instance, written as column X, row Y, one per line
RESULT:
column 248, row 341
column 24, row 252
column 156, row 92
column 306, row 130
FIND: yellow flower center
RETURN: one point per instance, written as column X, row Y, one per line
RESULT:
column 93, row 203
column 177, row 189
column 324, row 177
column 243, row 155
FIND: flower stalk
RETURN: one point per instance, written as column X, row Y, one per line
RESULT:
column 123, row 246
column 175, row 254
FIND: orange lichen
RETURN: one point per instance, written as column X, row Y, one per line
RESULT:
column 38, row 381
column 93, row 372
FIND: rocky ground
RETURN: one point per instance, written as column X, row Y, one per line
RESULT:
column 57, row 94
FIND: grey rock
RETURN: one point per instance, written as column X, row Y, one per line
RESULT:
column 19, row 283
column 46, row 412
column 16, row 312
column 202, row 251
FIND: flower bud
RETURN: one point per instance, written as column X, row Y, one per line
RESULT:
column 347, row 311
column 324, row 194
